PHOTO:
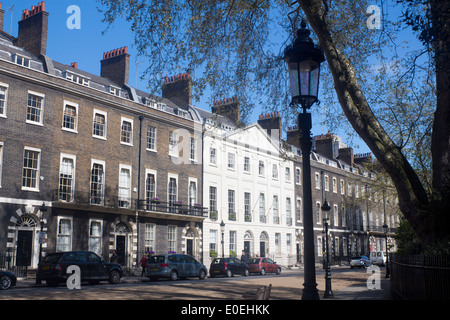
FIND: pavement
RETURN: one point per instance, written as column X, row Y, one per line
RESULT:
column 354, row 285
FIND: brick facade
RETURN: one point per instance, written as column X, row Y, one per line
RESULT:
column 98, row 215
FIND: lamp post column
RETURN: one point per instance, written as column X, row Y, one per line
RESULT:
column 328, row 291
column 310, row 291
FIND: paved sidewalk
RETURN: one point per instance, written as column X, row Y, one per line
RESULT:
column 345, row 286
column 361, row 292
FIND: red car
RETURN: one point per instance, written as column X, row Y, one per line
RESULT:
column 263, row 266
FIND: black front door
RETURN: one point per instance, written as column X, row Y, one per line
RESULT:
column 24, row 248
column 121, row 249
column 262, row 249
column 190, row 247
column 247, row 248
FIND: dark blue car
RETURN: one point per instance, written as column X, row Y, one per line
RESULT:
column 7, row 280
column 53, row 268
column 228, row 267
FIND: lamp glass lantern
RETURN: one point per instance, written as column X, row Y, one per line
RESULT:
column 326, row 209
column 303, row 58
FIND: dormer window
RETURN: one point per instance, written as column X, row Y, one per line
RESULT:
column 154, row 104
column 21, row 60
column 84, row 81
column 180, row 112
column 114, row 90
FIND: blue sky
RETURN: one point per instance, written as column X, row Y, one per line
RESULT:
column 87, row 45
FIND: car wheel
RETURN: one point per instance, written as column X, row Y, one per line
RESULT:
column 278, row 271
column 263, row 272
column 228, row 273
column 202, row 274
column 5, row 282
column 114, row 277
column 173, row 275
column 246, row 273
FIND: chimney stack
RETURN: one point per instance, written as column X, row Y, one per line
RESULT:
column 178, row 89
column 116, row 66
column 346, row 155
column 272, row 123
column 325, row 145
column 293, row 136
column 229, row 108
column 33, row 29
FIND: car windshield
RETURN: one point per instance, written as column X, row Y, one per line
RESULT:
column 356, row 258
column 217, row 261
column 156, row 259
column 53, row 258
column 254, row 260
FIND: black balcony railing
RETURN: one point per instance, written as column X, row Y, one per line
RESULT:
column 173, row 208
column 108, row 199
column 112, row 200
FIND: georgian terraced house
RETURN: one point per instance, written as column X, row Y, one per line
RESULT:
column 100, row 154
column 89, row 162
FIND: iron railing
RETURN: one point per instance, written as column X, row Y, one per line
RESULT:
column 110, row 199
column 420, row 277
column 172, row 208
column 11, row 262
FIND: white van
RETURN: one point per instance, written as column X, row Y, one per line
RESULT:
column 378, row 258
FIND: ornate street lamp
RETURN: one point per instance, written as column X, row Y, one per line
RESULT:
column 222, row 229
column 42, row 209
column 304, row 58
column 328, row 292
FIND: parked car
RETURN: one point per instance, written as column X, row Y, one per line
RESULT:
column 53, row 268
column 174, row 266
column 7, row 280
column 360, row 262
column 228, row 267
column 378, row 258
column 263, row 266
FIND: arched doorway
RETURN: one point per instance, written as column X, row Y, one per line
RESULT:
column 263, row 244
column 121, row 235
column 23, row 244
column 191, row 241
column 248, row 243
column 26, row 229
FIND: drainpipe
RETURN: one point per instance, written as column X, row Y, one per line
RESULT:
column 141, row 118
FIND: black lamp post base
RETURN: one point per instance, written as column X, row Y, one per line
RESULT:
column 310, row 292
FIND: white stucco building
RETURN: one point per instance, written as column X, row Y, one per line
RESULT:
column 249, row 185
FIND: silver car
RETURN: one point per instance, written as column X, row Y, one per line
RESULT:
column 174, row 266
column 360, row 262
